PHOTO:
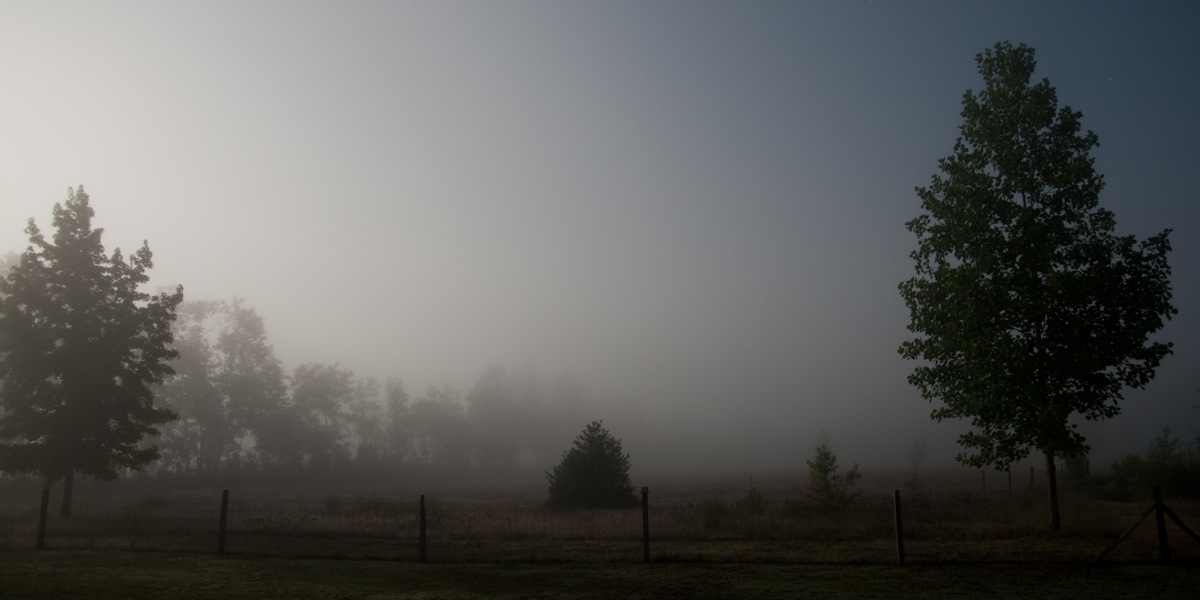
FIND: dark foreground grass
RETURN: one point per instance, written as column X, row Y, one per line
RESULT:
column 151, row 575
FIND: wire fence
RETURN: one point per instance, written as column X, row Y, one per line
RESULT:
column 910, row 528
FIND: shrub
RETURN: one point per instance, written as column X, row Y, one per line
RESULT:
column 753, row 503
column 713, row 513
column 827, row 486
column 1166, row 463
column 594, row 473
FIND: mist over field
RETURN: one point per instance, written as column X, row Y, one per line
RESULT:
column 684, row 219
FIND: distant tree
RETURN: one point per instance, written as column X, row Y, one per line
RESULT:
column 251, row 379
column 494, row 408
column 439, row 429
column 916, row 459
column 365, row 416
column 827, row 485
column 203, row 436
column 1166, row 462
column 1027, row 308
column 397, row 429
column 81, row 348
column 1077, row 466
column 321, row 398
column 594, row 473
column 8, row 261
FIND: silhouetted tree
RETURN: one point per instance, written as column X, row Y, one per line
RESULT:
column 1027, row 307
column 82, row 347
column 594, row 473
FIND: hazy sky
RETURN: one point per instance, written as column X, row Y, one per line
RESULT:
column 703, row 203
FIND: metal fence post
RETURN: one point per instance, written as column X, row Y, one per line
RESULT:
column 422, row 540
column 1164, row 551
column 645, row 524
column 224, row 524
column 41, row 530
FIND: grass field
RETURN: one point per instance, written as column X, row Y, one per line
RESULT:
column 711, row 526
column 138, row 542
column 133, row 575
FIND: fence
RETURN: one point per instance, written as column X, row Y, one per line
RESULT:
column 901, row 530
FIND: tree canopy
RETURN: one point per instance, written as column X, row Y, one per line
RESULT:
column 1028, row 309
column 81, row 349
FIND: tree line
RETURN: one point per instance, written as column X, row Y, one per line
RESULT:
column 238, row 407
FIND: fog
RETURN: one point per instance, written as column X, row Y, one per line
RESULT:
column 693, row 212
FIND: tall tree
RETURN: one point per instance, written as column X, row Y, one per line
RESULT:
column 81, row 347
column 1029, row 310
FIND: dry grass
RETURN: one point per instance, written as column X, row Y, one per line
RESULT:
column 710, row 526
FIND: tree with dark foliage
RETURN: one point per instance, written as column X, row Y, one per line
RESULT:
column 81, row 349
column 594, row 473
column 1028, row 308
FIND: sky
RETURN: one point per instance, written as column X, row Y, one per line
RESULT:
column 700, row 205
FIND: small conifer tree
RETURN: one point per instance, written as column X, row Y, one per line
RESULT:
column 594, row 473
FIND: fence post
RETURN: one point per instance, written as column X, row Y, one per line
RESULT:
column 224, row 523
column 899, row 528
column 1164, row 551
column 1031, row 477
column 41, row 532
column 422, row 540
column 1009, row 471
column 982, row 479
column 645, row 524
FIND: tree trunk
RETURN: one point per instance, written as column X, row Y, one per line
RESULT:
column 1052, row 485
column 68, row 491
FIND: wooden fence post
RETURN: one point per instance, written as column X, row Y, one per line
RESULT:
column 41, row 532
column 224, row 523
column 899, row 528
column 645, row 524
column 422, row 540
column 1031, row 477
column 1164, row 551
column 1009, row 471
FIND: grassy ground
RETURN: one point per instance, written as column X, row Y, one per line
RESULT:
column 153, row 575
column 947, row 526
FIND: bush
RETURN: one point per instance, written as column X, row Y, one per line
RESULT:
column 714, row 513
column 753, row 503
column 594, row 473
column 827, row 486
column 1166, row 463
